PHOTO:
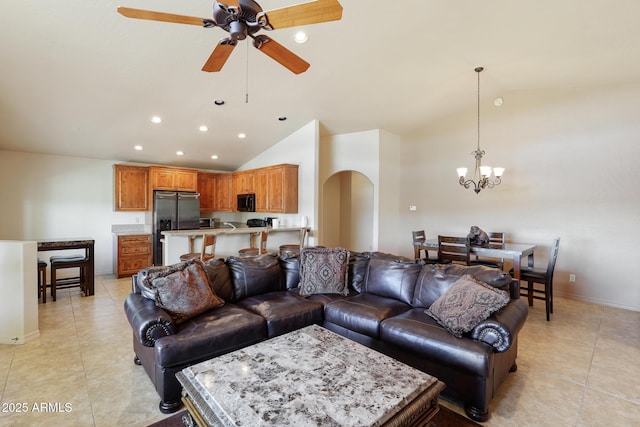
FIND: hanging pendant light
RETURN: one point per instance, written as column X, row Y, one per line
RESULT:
column 481, row 174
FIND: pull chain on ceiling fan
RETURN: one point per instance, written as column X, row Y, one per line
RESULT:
column 244, row 18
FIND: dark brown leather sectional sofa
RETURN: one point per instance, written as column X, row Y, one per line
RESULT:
column 385, row 310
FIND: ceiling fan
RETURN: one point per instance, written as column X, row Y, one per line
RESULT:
column 242, row 18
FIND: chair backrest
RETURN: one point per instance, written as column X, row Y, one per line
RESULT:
column 418, row 236
column 496, row 238
column 263, row 240
column 454, row 249
column 553, row 256
column 208, row 241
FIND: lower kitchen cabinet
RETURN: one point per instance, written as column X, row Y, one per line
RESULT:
column 133, row 254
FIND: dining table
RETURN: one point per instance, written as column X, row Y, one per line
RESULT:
column 514, row 251
column 74, row 243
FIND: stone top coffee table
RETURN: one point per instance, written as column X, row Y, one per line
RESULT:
column 308, row 377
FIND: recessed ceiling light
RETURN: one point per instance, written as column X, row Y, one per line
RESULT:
column 203, row 128
column 282, row 118
column 156, row 119
column 301, row 37
column 218, row 102
column 138, row 148
column 214, row 157
column 180, row 153
column 242, row 135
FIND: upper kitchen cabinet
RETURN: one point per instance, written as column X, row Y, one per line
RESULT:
column 207, row 189
column 177, row 179
column 224, row 193
column 277, row 189
column 244, row 182
column 131, row 188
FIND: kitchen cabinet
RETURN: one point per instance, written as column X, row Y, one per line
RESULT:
column 133, row 254
column 244, row 182
column 163, row 178
column 225, row 199
column 131, row 188
column 207, row 189
column 277, row 189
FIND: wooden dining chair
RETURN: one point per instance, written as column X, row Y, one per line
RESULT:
column 541, row 276
column 207, row 252
column 419, row 237
column 496, row 240
column 454, row 249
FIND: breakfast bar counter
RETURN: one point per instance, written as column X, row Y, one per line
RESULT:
column 230, row 240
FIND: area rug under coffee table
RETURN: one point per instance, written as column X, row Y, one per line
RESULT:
column 308, row 377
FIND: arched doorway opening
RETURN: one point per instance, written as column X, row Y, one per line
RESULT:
column 347, row 212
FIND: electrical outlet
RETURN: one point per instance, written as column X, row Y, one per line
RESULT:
column 572, row 278
column 412, row 208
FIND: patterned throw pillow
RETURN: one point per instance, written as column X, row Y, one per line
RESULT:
column 323, row 271
column 183, row 290
column 465, row 304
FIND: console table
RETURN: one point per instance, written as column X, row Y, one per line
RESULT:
column 74, row 243
column 311, row 376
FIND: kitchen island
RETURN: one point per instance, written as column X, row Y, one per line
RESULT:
column 229, row 241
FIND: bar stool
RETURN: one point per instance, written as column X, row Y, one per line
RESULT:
column 42, row 280
column 254, row 251
column 62, row 262
column 208, row 241
column 293, row 249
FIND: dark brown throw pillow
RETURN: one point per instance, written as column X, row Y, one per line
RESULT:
column 220, row 278
column 183, row 290
column 465, row 304
column 323, row 271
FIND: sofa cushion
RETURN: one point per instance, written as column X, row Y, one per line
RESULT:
column 465, row 304
column 363, row 313
column 283, row 311
column 219, row 278
column 357, row 270
column 182, row 290
column 435, row 279
column 323, row 271
column 254, row 276
column 289, row 269
column 418, row 333
column 392, row 278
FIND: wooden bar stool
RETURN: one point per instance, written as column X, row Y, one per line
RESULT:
column 292, row 249
column 42, row 280
column 207, row 252
column 254, row 250
column 62, row 262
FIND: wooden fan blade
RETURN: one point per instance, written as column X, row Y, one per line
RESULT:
column 280, row 54
column 305, row 14
column 159, row 16
column 231, row 3
column 219, row 56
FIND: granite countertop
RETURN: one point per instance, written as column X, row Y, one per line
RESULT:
column 131, row 229
column 226, row 230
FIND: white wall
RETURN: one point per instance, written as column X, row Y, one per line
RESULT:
column 47, row 197
column 300, row 148
column 572, row 171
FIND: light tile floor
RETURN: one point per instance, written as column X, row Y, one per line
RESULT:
column 580, row 369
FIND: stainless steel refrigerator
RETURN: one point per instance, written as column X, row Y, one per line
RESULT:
column 173, row 210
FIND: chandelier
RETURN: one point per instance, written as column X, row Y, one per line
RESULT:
column 481, row 174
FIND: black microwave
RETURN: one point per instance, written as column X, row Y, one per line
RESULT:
column 246, row 202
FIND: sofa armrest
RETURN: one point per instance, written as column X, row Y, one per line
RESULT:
column 148, row 321
column 501, row 328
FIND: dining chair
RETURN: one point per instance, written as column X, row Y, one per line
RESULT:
column 453, row 249
column 542, row 276
column 207, row 252
column 419, row 237
column 496, row 240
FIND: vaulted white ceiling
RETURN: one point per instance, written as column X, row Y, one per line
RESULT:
column 78, row 79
